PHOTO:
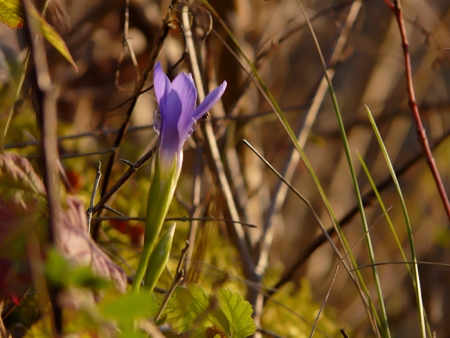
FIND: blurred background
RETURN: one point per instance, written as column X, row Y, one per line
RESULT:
column 361, row 44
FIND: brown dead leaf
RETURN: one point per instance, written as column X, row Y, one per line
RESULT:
column 23, row 213
column 76, row 243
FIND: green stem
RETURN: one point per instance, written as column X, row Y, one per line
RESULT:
column 162, row 188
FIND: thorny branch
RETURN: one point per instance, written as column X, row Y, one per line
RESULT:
column 133, row 167
column 397, row 9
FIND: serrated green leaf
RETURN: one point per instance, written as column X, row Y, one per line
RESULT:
column 221, row 324
column 185, row 306
column 49, row 33
column 238, row 312
column 189, row 306
column 204, row 333
column 11, row 13
column 131, row 306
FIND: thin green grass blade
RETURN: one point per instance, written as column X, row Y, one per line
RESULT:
column 385, row 212
column 415, row 267
column 270, row 99
column 274, row 105
column 384, row 323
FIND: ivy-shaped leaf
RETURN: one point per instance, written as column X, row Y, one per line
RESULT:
column 238, row 312
column 11, row 13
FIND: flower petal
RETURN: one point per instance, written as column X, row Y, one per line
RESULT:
column 170, row 139
column 178, row 115
column 209, row 101
column 161, row 85
column 185, row 88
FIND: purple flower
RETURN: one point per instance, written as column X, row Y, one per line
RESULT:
column 177, row 112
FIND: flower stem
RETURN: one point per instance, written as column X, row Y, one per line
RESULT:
column 162, row 188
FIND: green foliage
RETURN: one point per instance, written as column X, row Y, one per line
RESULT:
column 225, row 313
column 62, row 273
column 49, row 33
column 185, row 306
column 237, row 311
column 162, row 188
column 294, row 87
column 128, row 307
column 158, row 258
column 11, row 13
column 40, row 329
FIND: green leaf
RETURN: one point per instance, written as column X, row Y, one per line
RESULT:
column 11, row 13
column 162, row 188
column 49, row 33
column 185, row 306
column 131, row 333
column 57, row 269
column 230, row 317
column 130, row 306
column 159, row 258
column 238, row 312
column 83, row 276
column 60, row 271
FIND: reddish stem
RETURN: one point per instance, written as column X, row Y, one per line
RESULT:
column 396, row 8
